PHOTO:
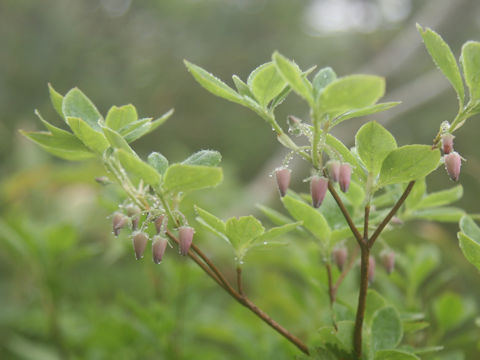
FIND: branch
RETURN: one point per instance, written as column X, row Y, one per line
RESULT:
column 392, row 212
column 220, row 279
column 345, row 213
column 239, row 281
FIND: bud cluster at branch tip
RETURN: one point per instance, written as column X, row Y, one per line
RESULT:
column 345, row 176
column 185, row 237
column 139, row 240
column 340, row 256
column 283, row 180
column 318, row 189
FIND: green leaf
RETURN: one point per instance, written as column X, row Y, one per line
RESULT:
column 265, row 83
column 243, row 230
column 395, row 355
column 448, row 310
column 293, row 76
column 441, row 198
column 277, row 231
column 119, row 117
column 204, row 157
column 350, row 92
column 323, row 77
column 417, row 194
column 444, row 59
column 471, row 68
column 117, row 141
column 76, row 104
column 469, row 240
column 93, row 139
column 158, row 161
column 408, row 163
column 65, row 146
column 213, row 84
column 374, row 143
column 372, row 109
column 312, row 219
column 134, row 165
column 442, row 214
column 242, row 88
column 53, row 129
column 387, row 329
column 375, row 302
column 184, row 178
column 211, row 220
column 138, row 129
column 57, row 100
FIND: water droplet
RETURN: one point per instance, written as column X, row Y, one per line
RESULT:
column 241, row 262
column 265, row 243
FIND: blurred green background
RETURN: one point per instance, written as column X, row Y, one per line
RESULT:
column 69, row 290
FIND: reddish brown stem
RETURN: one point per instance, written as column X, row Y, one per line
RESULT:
column 331, row 290
column 362, row 301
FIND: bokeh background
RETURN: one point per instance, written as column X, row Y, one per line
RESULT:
column 69, row 290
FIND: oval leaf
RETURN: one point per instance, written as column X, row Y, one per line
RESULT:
column 374, row 143
column 93, row 139
column 408, row 163
column 265, row 82
column 77, row 104
column 134, row 165
column 471, row 68
column 386, row 329
column 158, row 161
column 469, row 240
column 395, row 355
column 204, row 157
column 184, row 178
column 243, row 230
column 119, row 117
column 444, row 59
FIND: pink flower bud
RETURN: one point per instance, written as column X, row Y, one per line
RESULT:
column 139, row 240
column 447, row 143
column 340, row 256
column 135, row 221
column 185, row 236
column 395, row 220
column 119, row 221
column 371, row 269
column 345, row 175
column 453, row 161
column 158, row 248
column 132, row 210
column 159, row 221
column 283, row 180
column 333, row 168
column 388, row 260
column 318, row 189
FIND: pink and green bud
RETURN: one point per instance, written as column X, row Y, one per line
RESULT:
column 185, row 237
column 119, row 221
column 132, row 210
column 283, row 180
column 159, row 223
column 139, row 240
column 340, row 256
column 447, row 143
column 345, row 176
column 318, row 189
column 158, row 248
column 453, row 162
column 388, row 260
column 371, row 269
column 294, row 125
column 333, row 168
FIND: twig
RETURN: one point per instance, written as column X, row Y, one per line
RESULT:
column 239, row 281
column 389, row 216
column 362, row 301
column 345, row 213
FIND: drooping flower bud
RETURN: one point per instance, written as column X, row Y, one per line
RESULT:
column 283, row 180
column 340, row 256
column 388, row 260
column 447, row 143
column 132, row 210
column 119, row 221
column 371, row 269
column 345, row 175
column 333, row 168
column 103, row 180
column 318, row 189
column 135, row 221
column 453, row 162
column 395, row 220
column 159, row 222
column 158, row 248
column 139, row 240
column 185, row 236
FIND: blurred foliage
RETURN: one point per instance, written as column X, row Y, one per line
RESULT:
column 70, row 290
